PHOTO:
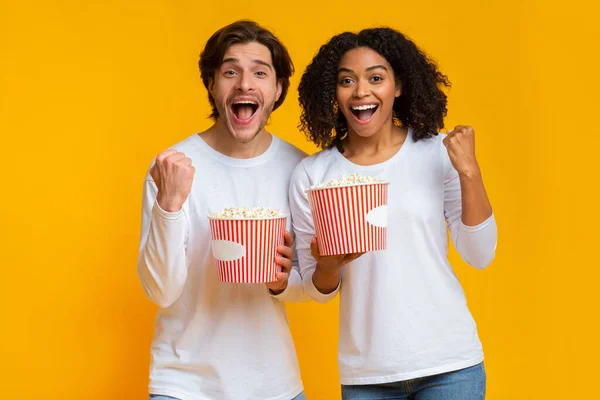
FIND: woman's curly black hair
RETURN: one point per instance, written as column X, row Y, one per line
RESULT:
column 421, row 106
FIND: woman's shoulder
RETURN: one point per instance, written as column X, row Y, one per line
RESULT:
column 320, row 159
column 316, row 164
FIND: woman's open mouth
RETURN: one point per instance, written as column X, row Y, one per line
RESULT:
column 364, row 113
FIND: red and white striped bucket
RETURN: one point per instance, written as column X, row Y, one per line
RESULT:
column 350, row 219
column 245, row 250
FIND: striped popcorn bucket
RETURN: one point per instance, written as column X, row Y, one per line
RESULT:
column 245, row 249
column 350, row 219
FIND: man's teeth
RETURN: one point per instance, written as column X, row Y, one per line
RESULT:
column 246, row 102
column 365, row 107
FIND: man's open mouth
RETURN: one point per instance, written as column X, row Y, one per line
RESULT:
column 244, row 109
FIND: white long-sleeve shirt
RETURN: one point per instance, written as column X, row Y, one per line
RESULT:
column 403, row 313
column 216, row 340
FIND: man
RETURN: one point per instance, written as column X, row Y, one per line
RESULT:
column 216, row 340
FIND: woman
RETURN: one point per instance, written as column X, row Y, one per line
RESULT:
column 373, row 102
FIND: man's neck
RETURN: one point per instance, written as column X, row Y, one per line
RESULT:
column 219, row 138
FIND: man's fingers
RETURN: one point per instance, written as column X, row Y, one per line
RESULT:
column 175, row 158
column 282, row 276
column 285, row 251
column 284, row 263
column 186, row 161
column 162, row 156
column 288, row 239
column 155, row 175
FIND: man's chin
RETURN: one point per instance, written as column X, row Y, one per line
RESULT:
column 245, row 139
column 245, row 134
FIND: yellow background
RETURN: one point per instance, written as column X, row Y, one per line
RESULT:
column 91, row 91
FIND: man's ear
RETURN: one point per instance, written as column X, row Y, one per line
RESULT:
column 279, row 89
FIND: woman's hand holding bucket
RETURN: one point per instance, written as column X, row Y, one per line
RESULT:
column 326, row 277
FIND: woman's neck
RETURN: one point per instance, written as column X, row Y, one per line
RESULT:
column 374, row 149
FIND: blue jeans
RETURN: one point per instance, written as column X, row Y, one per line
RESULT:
column 464, row 384
column 301, row 396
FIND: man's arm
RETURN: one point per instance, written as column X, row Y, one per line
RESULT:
column 162, row 265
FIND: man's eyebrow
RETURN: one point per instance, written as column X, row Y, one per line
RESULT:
column 261, row 62
column 236, row 60
column 230, row 59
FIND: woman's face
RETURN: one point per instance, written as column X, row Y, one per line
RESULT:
column 365, row 91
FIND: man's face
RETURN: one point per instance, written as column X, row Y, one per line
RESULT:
column 245, row 89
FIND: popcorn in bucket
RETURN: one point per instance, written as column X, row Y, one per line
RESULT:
column 244, row 243
column 350, row 214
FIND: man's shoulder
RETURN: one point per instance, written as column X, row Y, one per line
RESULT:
column 289, row 152
column 190, row 146
column 187, row 145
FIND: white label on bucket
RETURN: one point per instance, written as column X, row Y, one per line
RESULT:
column 378, row 216
column 225, row 250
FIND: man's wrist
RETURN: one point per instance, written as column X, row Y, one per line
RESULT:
column 276, row 292
column 168, row 204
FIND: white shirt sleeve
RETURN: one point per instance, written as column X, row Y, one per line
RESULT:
column 304, row 230
column 162, row 264
column 475, row 244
